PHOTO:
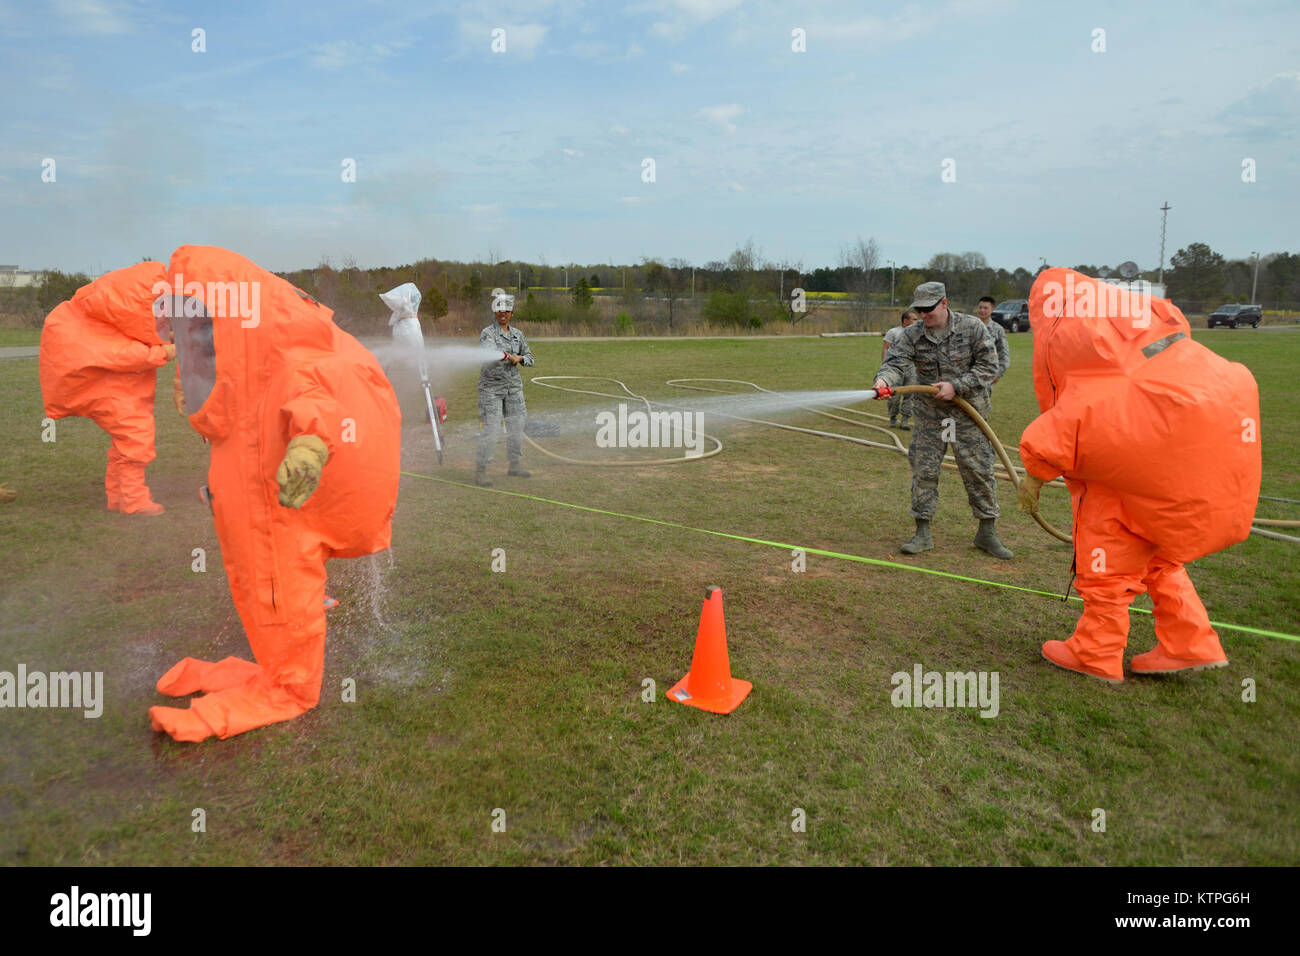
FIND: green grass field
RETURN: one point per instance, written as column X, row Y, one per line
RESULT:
column 522, row 691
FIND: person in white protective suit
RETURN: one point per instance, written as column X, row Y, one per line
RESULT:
column 408, row 344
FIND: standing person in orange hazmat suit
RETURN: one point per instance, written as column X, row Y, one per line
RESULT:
column 306, row 450
column 99, row 357
column 1158, row 440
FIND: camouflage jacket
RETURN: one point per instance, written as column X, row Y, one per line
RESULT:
column 999, row 336
column 961, row 353
column 497, row 378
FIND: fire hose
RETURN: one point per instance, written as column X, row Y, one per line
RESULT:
column 1013, row 474
column 949, row 461
column 545, row 382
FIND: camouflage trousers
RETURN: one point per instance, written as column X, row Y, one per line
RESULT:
column 491, row 409
column 975, row 462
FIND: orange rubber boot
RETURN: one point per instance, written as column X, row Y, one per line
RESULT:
column 1059, row 653
column 180, row 724
column 1187, row 642
column 1097, row 646
column 135, row 493
column 235, row 710
column 191, row 675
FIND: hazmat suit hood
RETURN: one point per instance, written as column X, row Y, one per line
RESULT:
column 403, row 302
column 1135, row 408
column 90, row 342
column 238, row 327
column 1085, row 326
column 281, row 368
column 123, row 299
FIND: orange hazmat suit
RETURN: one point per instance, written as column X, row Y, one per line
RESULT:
column 99, row 356
column 1158, row 440
column 282, row 394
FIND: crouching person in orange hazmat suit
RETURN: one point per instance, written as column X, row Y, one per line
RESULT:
column 1158, row 440
column 99, row 357
column 305, row 435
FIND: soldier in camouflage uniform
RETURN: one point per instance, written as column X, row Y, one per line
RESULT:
column 899, row 403
column 501, row 392
column 998, row 334
column 953, row 351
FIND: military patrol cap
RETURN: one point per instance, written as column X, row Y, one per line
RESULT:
column 927, row 294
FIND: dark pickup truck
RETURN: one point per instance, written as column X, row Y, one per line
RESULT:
column 1012, row 315
column 1235, row 315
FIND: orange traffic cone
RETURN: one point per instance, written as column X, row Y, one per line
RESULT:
column 709, row 685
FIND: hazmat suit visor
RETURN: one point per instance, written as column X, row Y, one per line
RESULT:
column 185, row 322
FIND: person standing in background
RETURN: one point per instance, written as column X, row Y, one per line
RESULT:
column 997, row 333
column 899, row 403
column 501, row 392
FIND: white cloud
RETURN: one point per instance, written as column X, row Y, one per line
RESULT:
column 344, row 54
column 572, row 152
column 94, row 16
column 678, row 68
column 706, row 9
column 1268, row 110
column 722, row 116
column 679, row 16
column 913, row 20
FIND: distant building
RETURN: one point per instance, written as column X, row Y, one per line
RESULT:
column 11, row 277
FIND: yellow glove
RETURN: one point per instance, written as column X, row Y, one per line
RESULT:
column 159, row 354
column 299, row 474
column 7, row 494
column 178, row 396
column 1028, row 494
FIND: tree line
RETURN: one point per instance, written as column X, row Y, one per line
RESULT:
column 746, row 290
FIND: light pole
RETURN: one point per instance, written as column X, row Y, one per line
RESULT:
column 1164, row 219
column 891, row 283
column 1254, row 282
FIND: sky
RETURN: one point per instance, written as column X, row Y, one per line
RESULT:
column 1027, row 131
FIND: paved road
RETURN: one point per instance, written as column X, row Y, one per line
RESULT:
column 19, row 351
